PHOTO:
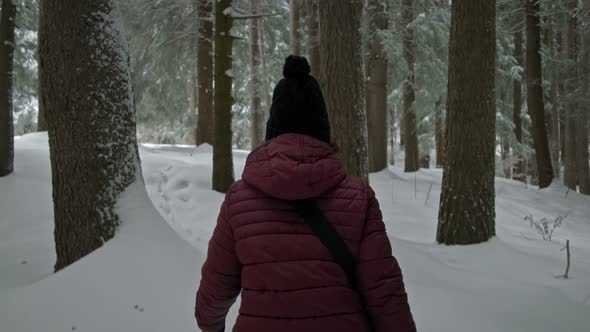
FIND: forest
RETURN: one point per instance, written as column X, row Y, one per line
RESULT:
column 470, row 117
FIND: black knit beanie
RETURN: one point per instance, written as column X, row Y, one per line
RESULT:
column 298, row 104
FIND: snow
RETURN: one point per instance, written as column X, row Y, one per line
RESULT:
column 145, row 278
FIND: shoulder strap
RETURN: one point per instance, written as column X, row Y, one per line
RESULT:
column 329, row 237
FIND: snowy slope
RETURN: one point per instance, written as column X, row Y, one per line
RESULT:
column 145, row 278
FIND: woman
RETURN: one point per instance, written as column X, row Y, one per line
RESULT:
column 262, row 246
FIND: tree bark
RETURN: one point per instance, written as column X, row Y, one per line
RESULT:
column 205, row 117
column 223, row 167
column 86, row 93
column 519, row 173
column 342, row 68
column 377, row 87
column 571, row 170
column 7, row 26
column 313, row 28
column 582, row 144
column 256, row 116
column 410, row 130
column 439, row 139
column 295, row 28
column 467, row 208
column 535, row 102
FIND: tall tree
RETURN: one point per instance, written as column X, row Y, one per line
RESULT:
column 295, row 28
column 7, row 26
column 377, row 87
column 582, row 109
column 313, row 36
column 256, row 115
column 467, row 210
column 223, row 166
column 571, row 171
column 409, row 115
column 205, row 118
column 87, row 96
column 439, row 137
column 519, row 173
column 535, row 103
column 342, row 69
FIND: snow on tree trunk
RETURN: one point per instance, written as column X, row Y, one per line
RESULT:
column 256, row 115
column 467, row 204
column 85, row 90
column 377, row 87
column 205, row 118
column 410, row 129
column 313, row 35
column 342, row 69
column 223, row 167
column 535, row 102
column 7, row 26
column 295, row 28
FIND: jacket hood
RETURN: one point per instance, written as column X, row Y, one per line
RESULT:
column 293, row 167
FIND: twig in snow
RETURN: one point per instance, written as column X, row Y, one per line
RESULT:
column 567, row 248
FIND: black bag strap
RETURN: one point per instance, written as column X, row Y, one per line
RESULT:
column 329, row 237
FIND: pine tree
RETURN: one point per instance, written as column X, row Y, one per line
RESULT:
column 439, row 137
column 295, row 28
column 313, row 28
column 377, row 87
column 223, row 167
column 256, row 116
column 205, row 119
column 7, row 26
column 535, row 103
column 582, row 108
column 342, row 69
column 86, row 93
column 467, row 204
column 519, row 173
column 409, row 115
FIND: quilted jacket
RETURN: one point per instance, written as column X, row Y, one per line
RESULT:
column 288, row 280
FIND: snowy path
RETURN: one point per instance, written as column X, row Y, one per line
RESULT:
column 145, row 278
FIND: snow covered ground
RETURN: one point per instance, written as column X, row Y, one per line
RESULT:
column 145, row 278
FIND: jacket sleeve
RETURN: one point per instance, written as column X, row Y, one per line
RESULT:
column 220, row 276
column 380, row 278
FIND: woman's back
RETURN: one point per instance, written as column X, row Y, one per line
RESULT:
column 288, row 278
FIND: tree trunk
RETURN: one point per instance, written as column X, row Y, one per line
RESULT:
column 342, row 68
column 295, row 28
column 41, row 122
column 205, row 118
column 467, row 208
column 256, row 116
column 313, row 28
column 410, row 130
column 582, row 141
column 377, row 87
column 223, row 166
column 7, row 26
column 571, row 170
column 519, row 173
column 439, row 133
column 86, row 93
column 535, row 102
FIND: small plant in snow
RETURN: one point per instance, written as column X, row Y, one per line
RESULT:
column 545, row 226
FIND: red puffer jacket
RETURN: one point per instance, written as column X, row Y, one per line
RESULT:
column 289, row 280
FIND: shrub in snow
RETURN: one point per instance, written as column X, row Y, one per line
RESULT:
column 545, row 226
